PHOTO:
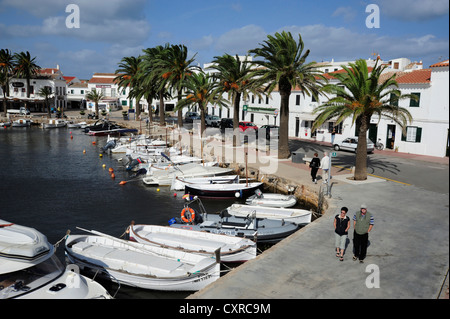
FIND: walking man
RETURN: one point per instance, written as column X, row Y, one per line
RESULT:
column 325, row 166
column 363, row 222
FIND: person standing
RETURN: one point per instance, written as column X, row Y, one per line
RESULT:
column 314, row 165
column 341, row 227
column 363, row 222
column 333, row 135
column 325, row 166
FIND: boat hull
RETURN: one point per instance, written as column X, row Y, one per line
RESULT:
column 231, row 249
column 222, row 190
column 133, row 268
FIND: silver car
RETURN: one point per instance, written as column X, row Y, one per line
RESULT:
column 351, row 143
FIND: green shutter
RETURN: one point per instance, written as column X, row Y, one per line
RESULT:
column 414, row 103
column 418, row 135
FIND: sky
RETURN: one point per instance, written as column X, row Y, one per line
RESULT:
column 108, row 30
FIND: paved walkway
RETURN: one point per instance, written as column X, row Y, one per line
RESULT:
column 407, row 256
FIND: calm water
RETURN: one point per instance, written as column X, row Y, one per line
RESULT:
column 48, row 183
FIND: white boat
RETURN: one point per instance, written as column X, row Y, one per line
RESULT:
column 296, row 216
column 179, row 182
column 242, row 190
column 29, row 269
column 71, row 124
column 164, row 176
column 142, row 265
column 54, row 123
column 5, row 124
column 271, row 200
column 22, row 123
column 232, row 249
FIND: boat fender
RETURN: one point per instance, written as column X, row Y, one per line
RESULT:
column 188, row 215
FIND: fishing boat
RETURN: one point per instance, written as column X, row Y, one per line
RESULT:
column 72, row 124
column 179, row 182
column 222, row 190
column 22, row 123
column 232, row 249
column 271, row 200
column 157, row 176
column 250, row 227
column 54, row 123
column 29, row 268
column 293, row 215
column 141, row 265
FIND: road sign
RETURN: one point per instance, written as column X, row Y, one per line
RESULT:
column 333, row 154
column 245, row 106
column 275, row 112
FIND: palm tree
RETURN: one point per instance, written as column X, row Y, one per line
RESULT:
column 200, row 90
column 175, row 67
column 46, row 92
column 150, row 75
column 95, row 97
column 232, row 75
column 25, row 67
column 360, row 94
column 284, row 66
column 127, row 76
column 6, row 72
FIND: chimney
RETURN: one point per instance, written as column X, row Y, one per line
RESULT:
column 57, row 66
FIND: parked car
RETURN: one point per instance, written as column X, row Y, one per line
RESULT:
column 212, row 120
column 271, row 130
column 191, row 116
column 244, row 126
column 226, row 123
column 351, row 143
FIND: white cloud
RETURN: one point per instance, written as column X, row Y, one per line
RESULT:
column 414, row 10
column 239, row 41
column 348, row 13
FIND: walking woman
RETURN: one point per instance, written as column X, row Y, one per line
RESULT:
column 314, row 166
column 341, row 227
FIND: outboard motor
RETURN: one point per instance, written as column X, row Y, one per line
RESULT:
column 133, row 164
column 110, row 145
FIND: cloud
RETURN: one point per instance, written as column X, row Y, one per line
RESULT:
column 342, row 44
column 348, row 13
column 109, row 21
column 414, row 10
column 239, row 41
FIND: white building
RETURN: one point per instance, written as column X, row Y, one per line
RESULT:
column 46, row 77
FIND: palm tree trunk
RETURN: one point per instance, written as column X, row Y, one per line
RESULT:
column 236, row 105
column 5, row 105
column 47, row 105
column 180, row 112
column 202, row 120
column 96, row 109
column 283, row 142
column 162, row 117
column 361, row 153
column 150, row 113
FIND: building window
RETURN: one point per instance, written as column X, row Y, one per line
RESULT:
column 82, row 91
column 313, row 98
column 413, row 102
column 393, row 100
column 124, row 102
column 338, row 128
column 267, row 99
column 413, row 134
column 297, row 99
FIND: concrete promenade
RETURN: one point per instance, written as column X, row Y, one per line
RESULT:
column 408, row 253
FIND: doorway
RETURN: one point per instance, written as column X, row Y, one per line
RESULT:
column 297, row 126
column 390, row 137
column 373, row 132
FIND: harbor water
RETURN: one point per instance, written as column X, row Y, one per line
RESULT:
column 56, row 180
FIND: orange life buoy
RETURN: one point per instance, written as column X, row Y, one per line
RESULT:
column 190, row 216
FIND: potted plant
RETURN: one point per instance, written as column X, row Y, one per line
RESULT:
column 125, row 115
column 103, row 113
column 82, row 112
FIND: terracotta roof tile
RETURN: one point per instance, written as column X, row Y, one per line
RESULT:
column 417, row 76
column 439, row 64
column 101, row 80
